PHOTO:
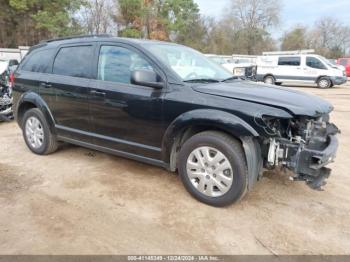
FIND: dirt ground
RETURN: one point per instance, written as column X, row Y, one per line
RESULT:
column 79, row 201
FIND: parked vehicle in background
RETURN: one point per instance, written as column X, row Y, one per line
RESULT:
column 298, row 66
column 169, row 105
column 224, row 61
column 333, row 63
column 346, row 63
column 7, row 68
column 241, row 67
column 13, row 53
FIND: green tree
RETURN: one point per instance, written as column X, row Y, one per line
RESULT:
column 178, row 15
column 26, row 22
column 54, row 16
column 296, row 39
column 178, row 20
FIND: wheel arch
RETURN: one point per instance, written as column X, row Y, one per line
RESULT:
column 32, row 100
column 319, row 77
column 269, row 74
column 193, row 122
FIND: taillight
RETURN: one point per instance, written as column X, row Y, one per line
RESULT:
column 12, row 80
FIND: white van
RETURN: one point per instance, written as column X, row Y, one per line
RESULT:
column 242, row 66
column 285, row 67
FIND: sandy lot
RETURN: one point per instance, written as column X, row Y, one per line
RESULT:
column 79, row 201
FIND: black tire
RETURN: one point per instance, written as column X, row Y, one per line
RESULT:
column 233, row 151
column 49, row 141
column 269, row 80
column 324, row 83
column 278, row 83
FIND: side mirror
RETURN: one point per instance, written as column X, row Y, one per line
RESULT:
column 146, row 78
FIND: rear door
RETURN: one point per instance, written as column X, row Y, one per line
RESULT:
column 71, row 83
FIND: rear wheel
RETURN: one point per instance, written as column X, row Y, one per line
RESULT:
column 213, row 169
column 324, row 82
column 269, row 80
column 37, row 134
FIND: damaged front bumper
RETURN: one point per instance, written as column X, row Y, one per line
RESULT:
column 6, row 113
column 307, row 162
column 310, row 165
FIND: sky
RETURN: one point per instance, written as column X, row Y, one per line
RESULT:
column 293, row 11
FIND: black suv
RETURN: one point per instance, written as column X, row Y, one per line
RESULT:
column 168, row 105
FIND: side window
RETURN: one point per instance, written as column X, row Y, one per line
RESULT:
column 289, row 61
column 314, row 63
column 116, row 64
column 38, row 61
column 74, row 61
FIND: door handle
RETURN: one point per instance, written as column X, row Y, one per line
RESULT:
column 97, row 93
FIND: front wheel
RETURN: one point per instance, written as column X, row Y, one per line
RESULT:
column 324, row 83
column 213, row 168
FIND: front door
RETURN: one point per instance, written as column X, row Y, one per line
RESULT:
column 125, row 117
column 314, row 68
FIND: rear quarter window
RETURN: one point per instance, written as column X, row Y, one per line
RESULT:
column 39, row 61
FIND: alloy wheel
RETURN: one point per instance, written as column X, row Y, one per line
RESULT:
column 34, row 132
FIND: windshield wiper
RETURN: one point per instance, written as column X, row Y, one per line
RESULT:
column 202, row 80
column 230, row 78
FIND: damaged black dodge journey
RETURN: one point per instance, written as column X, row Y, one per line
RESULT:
column 168, row 105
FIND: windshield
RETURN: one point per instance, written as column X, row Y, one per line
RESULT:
column 326, row 61
column 188, row 63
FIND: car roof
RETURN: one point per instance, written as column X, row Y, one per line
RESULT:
column 96, row 38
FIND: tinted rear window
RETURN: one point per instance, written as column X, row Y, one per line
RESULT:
column 38, row 61
column 289, row 61
column 74, row 61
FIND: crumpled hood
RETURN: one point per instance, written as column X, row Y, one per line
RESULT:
column 296, row 102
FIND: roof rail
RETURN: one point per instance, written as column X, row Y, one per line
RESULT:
column 74, row 37
column 293, row 52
